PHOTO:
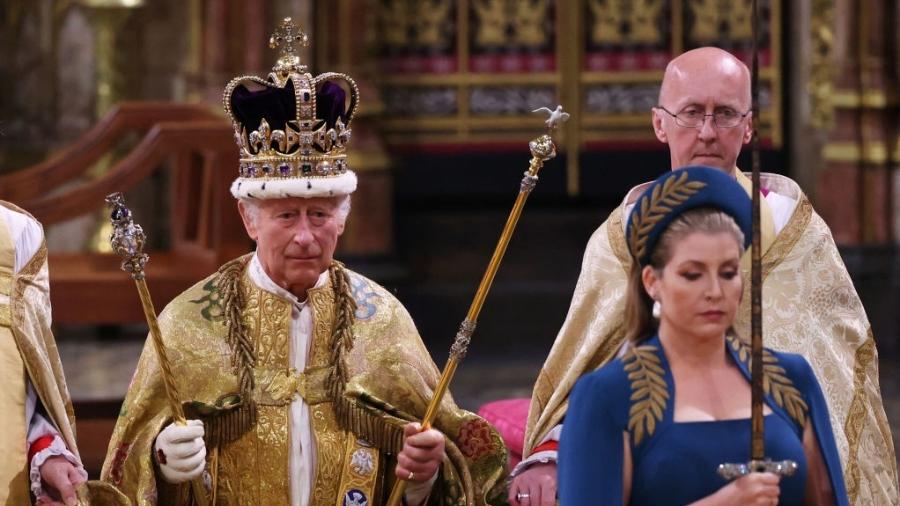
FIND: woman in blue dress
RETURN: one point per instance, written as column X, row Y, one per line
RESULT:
column 652, row 427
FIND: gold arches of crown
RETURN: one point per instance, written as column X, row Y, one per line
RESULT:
column 306, row 146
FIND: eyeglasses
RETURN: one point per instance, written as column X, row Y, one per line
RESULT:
column 723, row 117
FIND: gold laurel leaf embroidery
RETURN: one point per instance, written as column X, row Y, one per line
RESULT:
column 775, row 381
column 649, row 392
column 654, row 207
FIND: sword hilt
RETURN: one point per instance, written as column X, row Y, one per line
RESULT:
column 780, row 467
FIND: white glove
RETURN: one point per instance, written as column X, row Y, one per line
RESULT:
column 180, row 451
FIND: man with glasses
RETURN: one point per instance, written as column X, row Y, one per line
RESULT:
column 811, row 306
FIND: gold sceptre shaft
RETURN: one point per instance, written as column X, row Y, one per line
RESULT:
column 127, row 239
column 542, row 149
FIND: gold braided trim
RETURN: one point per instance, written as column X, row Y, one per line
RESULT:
column 243, row 353
column 616, row 234
column 775, row 381
column 654, row 207
column 341, row 336
column 233, row 414
column 33, row 267
column 856, row 415
column 649, row 392
column 788, row 238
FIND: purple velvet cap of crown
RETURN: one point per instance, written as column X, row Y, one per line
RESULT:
column 278, row 105
column 330, row 99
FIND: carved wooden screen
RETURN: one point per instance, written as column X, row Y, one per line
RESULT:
column 469, row 72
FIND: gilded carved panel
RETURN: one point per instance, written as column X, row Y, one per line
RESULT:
column 470, row 71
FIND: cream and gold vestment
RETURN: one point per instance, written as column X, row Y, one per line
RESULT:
column 810, row 307
column 386, row 379
column 27, row 352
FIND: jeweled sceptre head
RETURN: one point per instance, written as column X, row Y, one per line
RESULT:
column 127, row 237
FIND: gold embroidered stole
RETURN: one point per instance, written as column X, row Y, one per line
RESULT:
column 14, row 484
column 345, row 466
column 254, row 469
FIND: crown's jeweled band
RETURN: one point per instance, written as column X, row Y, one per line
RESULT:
column 281, row 168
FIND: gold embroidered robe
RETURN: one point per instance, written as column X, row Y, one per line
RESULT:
column 27, row 317
column 810, row 307
column 390, row 377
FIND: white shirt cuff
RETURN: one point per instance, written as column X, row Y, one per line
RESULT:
column 57, row 447
column 541, row 457
column 544, row 457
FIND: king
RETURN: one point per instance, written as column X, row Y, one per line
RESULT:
column 304, row 378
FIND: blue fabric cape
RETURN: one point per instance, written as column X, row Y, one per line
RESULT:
column 603, row 403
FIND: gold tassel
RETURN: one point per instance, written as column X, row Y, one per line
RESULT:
column 225, row 421
column 377, row 427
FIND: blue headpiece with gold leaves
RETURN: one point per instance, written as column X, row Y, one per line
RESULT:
column 678, row 191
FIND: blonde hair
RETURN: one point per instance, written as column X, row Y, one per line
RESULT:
column 639, row 324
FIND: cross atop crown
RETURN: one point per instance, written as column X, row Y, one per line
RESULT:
column 286, row 36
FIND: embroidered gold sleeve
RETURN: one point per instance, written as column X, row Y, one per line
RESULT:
column 775, row 381
column 649, row 393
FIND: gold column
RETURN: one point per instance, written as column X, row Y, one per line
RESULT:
column 569, row 57
column 108, row 17
column 194, row 60
column 821, row 66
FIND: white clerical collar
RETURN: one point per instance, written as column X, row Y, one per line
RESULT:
column 259, row 277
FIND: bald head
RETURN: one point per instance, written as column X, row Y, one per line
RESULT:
column 704, row 66
column 706, row 81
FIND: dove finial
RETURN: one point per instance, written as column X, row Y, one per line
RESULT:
column 555, row 117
